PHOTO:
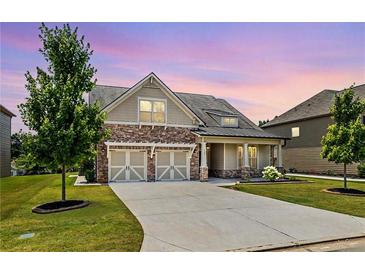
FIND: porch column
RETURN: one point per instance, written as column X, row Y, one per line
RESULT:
column 245, row 170
column 280, row 158
column 203, row 162
column 245, row 156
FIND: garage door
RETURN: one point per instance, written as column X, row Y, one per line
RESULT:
column 172, row 165
column 127, row 165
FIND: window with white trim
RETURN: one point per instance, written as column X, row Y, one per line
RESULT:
column 229, row 121
column 152, row 111
column 252, row 156
column 295, row 132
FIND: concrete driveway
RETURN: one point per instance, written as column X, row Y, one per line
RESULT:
column 192, row 216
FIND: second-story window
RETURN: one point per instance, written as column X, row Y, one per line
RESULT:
column 295, row 132
column 152, row 111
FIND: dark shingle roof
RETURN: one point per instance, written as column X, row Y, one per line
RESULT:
column 316, row 106
column 236, row 132
column 203, row 106
column 105, row 94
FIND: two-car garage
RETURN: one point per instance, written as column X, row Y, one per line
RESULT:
column 126, row 165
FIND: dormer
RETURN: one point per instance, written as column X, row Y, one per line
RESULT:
column 223, row 118
column 229, row 121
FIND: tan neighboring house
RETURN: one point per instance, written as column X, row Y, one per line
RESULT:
column 305, row 124
column 5, row 141
column 158, row 134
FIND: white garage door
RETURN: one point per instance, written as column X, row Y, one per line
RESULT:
column 172, row 165
column 127, row 165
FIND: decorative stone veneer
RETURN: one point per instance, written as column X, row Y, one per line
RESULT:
column 231, row 173
column 147, row 134
column 203, row 174
column 247, row 173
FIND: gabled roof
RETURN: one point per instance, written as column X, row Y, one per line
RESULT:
column 150, row 78
column 6, row 111
column 316, row 106
column 203, row 107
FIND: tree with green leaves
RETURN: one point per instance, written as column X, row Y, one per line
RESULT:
column 66, row 129
column 16, row 144
column 263, row 122
column 344, row 142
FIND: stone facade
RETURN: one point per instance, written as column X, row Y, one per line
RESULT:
column 203, row 174
column 247, row 173
column 229, row 173
column 147, row 134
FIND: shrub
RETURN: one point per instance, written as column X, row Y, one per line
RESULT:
column 361, row 170
column 271, row 173
column 90, row 176
column 87, row 168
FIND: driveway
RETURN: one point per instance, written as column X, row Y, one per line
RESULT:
column 192, row 216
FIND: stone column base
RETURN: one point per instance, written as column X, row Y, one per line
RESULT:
column 247, row 173
column 203, row 174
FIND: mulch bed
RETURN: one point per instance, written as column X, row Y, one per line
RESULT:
column 346, row 191
column 59, row 206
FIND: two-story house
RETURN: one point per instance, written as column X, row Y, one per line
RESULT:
column 306, row 124
column 158, row 134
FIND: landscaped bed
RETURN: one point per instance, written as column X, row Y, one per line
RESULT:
column 283, row 180
column 311, row 194
column 105, row 225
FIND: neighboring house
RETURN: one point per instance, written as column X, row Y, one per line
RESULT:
column 158, row 134
column 305, row 124
column 5, row 140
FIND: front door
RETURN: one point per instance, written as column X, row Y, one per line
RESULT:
column 127, row 165
column 172, row 165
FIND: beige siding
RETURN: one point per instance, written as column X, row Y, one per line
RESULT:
column 5, row 125
column 309, row 160
column 264, row 156
column 310, row 132
column 231, row 156
column 216, row 156
column 127, row 111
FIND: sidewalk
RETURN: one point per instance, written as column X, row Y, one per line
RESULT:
column 325, row 177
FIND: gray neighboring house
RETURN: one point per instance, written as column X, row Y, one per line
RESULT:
column 158, row 134
column 5, row 141
column 305, row 124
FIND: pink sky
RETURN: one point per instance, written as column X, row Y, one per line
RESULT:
column 263, row 69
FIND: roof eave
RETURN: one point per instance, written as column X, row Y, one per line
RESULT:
column 6, row 111
column 296, row 120
column 241, row 136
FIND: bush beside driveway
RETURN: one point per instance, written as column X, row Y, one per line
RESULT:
column 105, row 225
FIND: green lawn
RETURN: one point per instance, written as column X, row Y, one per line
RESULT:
column 311, row 195
column 105, row 225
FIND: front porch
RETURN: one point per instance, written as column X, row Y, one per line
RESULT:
column 236, row 157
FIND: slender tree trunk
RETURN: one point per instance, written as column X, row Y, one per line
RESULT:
column 344, row 176
column 63, row 182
